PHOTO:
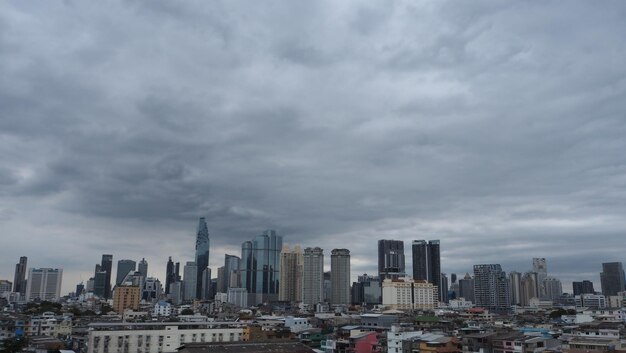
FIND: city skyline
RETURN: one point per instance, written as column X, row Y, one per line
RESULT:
column 496, row 128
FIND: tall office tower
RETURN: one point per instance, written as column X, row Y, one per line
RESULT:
column 515, row 279
column 552, row 288
column 529, row 288
column 151, row 290
column 313, row 276
column 584, row 287
column 340, row 276
column 126, row 297
column 44, row 284
column 491, row 289
column 367, row 290
column 143, row 267
column 99, row 282
column 190, row 281
column 177, row 271
column 202, row 256
column 612, row 278
column 291, row 268
column 207, row 284
column 443, row 289
column 466, row 288
column 541, row 268
column 19, row 280
column 176, row 292
column 221, row 280
column 327, row 288
column 390, row 259
column 260, row 267
column 231, row 271
column 123, row 268
column 170, row 275
column 80, row 289
column 427, row 264
column 107, row 266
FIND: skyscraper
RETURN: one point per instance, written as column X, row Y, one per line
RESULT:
column 143, row 267
column 552, row 288
column 170, row 275
column 190, row 281
column 313, row 276
column 466, row 288
column 107, row 267
column 514, row 287
column 612, row 278
column 19, row 280
column 491, row 290
column 291, row 268
column 44, row 284
column 529, row 288
column 584, row 287
column 202, row 256
column 260, row 267
column 340, row 276
column 541, row 268
column 390, row 259
column 231, row 271
column 427, row 264
column 123, row 268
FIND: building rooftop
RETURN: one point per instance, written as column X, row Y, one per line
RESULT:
column 246, row 347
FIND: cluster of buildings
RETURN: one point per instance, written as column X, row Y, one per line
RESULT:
column 272, row 292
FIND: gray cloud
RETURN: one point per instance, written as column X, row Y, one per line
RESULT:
column 495, row 127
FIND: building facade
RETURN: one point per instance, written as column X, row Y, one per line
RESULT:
column 313, row 276
column 202, row 258
column 427, row 264
column 126, row 297
column 612, row 278
column 44, row 284
column 260, row 267
column 391, row 259
column 491, row 289
column 291, row 271
column 340, row 276
column 409, row 294
column 124, row 267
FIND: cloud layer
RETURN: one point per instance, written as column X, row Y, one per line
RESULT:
column 495, row 127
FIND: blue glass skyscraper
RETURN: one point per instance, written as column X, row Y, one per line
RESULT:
column 202, row 257
column 260, row 267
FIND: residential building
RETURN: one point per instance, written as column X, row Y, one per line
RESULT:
column 340, row 276
column 529, row 288
column 408, row 294
column 44, row 284
column 5, row 286
column 427, row 264
column 391, row 259
column 291, row 271
column 260, row 267
column 491, row 290
column 313, row 276
column 126, row 297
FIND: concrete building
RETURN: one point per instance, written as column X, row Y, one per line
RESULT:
column 126, row 297
column 529, row 288
column 391, row 262
column 612, row 278
column 238, row 297
column 5, row 286
column 19, row 280
column 427, row 264
column 340, row 276
column 291, row 270
column 44, row 284
column 143, row 267
column 161, row 337
column 408, row 294
column 491, row 289
column 552, row 288
column 466, row 288
column 583, row 287
column 540, row 267
column 190, row 278
column 515, row 279
column 313, row 276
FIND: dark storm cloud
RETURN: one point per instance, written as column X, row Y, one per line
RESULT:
column 495, row 127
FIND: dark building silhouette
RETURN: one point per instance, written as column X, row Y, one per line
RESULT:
column 170, row 275
column 124, row 267
column 107, row 266
column 19, row 280
column 491, row 288
column 390, row 259
column 202, row 257
column 427, row 264
column 260, row 267
column 583, row 287
column 612, row 278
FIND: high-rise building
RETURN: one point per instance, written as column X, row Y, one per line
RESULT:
column 143, row 267
column 313, row 276
column 190, row 281
column 260, row 267
column 126, row 297
column 151, row 289
column 583, row 287
column 123, row 268
column 340, row 276
column 427, row 264
column 443, row 289
column 466, row 288
column 107, row 266
column 291, row 269
column 170, row 275
column 612, row 278
column 491, row 289
column 221, row 280
column 231, row 271
column 99, row 282
column 409, row 294
column 202, row 257
column 80, row 289
column 390, row 259
column 44, row 284
column 540, row 267
column 367, row 290
column 19, row 280
column 529, row 288
column 514, row 287
column 552, row 288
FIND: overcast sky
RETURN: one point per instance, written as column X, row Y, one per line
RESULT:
column 497, row 127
